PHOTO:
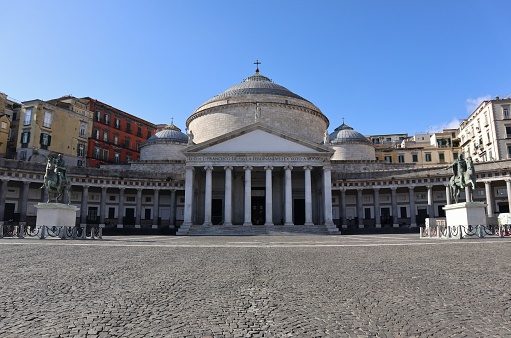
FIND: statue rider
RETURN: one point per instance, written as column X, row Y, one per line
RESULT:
column 459, row 167
column 60, row 170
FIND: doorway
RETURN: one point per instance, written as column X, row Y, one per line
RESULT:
column 216, row 211
column 258, row 210
column 299, row 211
column 9, row 211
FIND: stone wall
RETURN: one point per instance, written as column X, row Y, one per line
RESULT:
column 162, row 150
column 353, row 151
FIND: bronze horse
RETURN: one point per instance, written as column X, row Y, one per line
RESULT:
column 51, row 183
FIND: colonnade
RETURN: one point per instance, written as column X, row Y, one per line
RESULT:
column 247, row 194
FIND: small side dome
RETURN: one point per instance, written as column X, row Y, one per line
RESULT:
column 346, row 134
column 350, row 145
column 170, row 133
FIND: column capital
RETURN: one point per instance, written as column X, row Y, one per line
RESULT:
column 208, row 167
column 393, row 188
column 248, row 167
column 228, row 167
column 411, row 187
column 268, row 167
column 308, row 167
column 190, row 167
column 508, row 180
column 487, row 182
column 288, row 167
column 429, row 186
column 327, row 167
column 376, row 188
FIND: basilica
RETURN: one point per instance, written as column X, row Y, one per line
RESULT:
column 254, row 159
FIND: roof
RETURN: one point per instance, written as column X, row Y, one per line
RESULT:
column 169, row 133
column 346, row 134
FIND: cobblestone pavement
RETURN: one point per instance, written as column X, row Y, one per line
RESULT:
column 285, row 286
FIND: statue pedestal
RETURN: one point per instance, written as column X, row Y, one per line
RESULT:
column 55, row 215
column 463, row 217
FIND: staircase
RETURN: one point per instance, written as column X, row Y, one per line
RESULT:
column 257, row 230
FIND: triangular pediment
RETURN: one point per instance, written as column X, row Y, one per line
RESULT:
column 256, row 138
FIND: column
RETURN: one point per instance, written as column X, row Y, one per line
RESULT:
column 308, row 195
column 248, row 195
column 395, row 221
column 84, row 205
column 120, row 211
column 489, row 198
column 413, row 216
column 139, row 208
column 188, row 196
column 3, row 194
column 156, row 208
column 360, row 209
column 172, row 220
column 269, row 197
column 344, row 225
column 508, row 187
column 24, row 203
column 102, row 207
column 431, row 210
column 228, row 196
column 377, row 211
column 208, row 195
column 447, row 194
column 327, row 187
column 288, row 199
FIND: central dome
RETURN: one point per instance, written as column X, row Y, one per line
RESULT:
column 256, row 84
column 258, row 99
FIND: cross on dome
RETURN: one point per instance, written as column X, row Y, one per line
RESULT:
column 257, row 63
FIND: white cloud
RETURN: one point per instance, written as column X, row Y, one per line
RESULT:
column 472, row 104
column 454, row 124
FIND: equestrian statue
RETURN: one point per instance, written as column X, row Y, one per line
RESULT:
column 464, row 175
column 55, row 178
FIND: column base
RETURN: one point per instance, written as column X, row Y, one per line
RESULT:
column 227, row 223
column 269, row 224
column 378, row 226
column 289, row 223
column 137, row 226
column 245, row 224
column 308, row 223
column 344, row 226
column 361, row 226
column 119, row 226
column 154, row 226
column 395, row 225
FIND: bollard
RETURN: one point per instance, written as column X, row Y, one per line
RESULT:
column 21, row 231
column 42, row 229
column 1, row 230
column 84, row 231
column 100, row 235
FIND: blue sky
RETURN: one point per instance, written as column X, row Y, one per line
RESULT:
column 385, row 66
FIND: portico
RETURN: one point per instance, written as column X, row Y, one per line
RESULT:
column 258, row 176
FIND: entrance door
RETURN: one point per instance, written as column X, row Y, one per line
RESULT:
column 299, row 211
column 129, row 219
column 9, row 211
column 216, row 211
column 92, row 215
column 258, row 213
column 422, row 213
column 386, row 219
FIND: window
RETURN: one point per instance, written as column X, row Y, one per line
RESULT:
column 128, row 158
column 127, row 142
column 28, row 117
column 4, row 125
column 96, row 134
column 25, row 138
column 117, row 158
column 128, row 127
column 138, row 146
column 506, row 113
column 80, row 151
column 401, row 158
column 107, row 119
column 11, row 135
column 97, row 153
column 388, row 159
column 79, row 163
column 98, row 116
column 116, row 138
column 105, row 136
column 47, row 119
column 139, row 131
column 148, row 134
column 105, row 154
column 83, row 128
column 23, row 155
column 415, row 158
column 117, row 123
column 502, row 191
column 45, row 140
column 455, row 156
column 508, row 131
column 441, row 157
column 509, row 151
column 428, row 157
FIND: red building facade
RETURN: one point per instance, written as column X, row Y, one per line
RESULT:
column 116, row 135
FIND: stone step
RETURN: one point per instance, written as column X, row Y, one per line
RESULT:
column 253, row 230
